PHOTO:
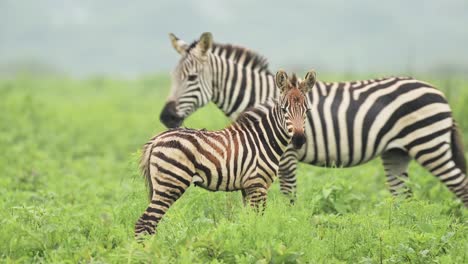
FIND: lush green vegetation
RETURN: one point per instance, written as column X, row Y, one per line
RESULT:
column 70, row 191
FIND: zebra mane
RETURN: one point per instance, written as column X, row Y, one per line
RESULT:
column 234, row 52
column 246, row 117
column 253, row 113
column 293, row 80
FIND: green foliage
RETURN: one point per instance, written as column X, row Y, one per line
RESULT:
column 70, row 191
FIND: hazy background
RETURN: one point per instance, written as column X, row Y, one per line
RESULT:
column 129, row 38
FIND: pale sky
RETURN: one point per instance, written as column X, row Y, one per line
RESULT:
column 130, row 37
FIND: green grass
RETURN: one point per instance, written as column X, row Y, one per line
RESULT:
column 70, row 191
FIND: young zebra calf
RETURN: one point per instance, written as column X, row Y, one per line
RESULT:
column 245, row 156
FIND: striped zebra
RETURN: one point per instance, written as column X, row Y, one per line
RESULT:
column 245, row 156
column 396, row 118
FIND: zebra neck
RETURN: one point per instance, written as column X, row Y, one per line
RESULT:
column 280, row 125
column 237, row 86
column 267, row 122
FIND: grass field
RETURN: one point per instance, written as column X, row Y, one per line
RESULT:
column 70, row 191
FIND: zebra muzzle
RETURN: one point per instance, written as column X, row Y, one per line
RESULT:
column 298, row 140
column 169, row 116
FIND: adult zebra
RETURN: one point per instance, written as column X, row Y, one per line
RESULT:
column 245, row 156
column 397, row 118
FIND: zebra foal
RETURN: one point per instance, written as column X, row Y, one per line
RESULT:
column 245, row 156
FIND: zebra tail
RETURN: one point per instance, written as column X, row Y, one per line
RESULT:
column 458, row 152
column 145, row 166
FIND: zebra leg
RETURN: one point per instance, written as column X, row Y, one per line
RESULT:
column 257, row 198
column 166, row 191
column 442, row 163
column 244, row 197
column 255, row 193
column 395, row 162
column 287, row 173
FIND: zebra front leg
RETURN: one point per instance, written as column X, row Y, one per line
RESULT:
column 287, row 173
column 244, row 197
column 256, row 197
column 395, row 164
column 255, row 193
column 167, row 189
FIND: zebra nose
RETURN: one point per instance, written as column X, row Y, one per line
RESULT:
column 169, row 116
column 298, row 140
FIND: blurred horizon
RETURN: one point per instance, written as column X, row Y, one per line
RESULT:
column 86, row 38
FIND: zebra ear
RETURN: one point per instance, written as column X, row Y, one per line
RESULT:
column 205, row 43
column 281, row 80
column 179, row 45
column 309, row 81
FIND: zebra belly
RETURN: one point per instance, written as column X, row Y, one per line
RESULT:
column 408, row 143
column 334, row 163
column 324, row 153
column 217, row 181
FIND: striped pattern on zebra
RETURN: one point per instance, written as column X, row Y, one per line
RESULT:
column 245, row 156
column 397, row 118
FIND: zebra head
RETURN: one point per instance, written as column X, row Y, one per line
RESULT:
column 294, row 103
column 191, row 80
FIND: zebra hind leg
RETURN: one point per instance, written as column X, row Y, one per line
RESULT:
column 287, row 174
column 442, row 164
column 167, row 189
column 395, row 164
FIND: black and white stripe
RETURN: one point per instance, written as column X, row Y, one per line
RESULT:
column 232, row 77
column 350, row 123
column 244, row 156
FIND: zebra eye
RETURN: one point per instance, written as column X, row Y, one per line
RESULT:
column 285, row 110
column 192, row 77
